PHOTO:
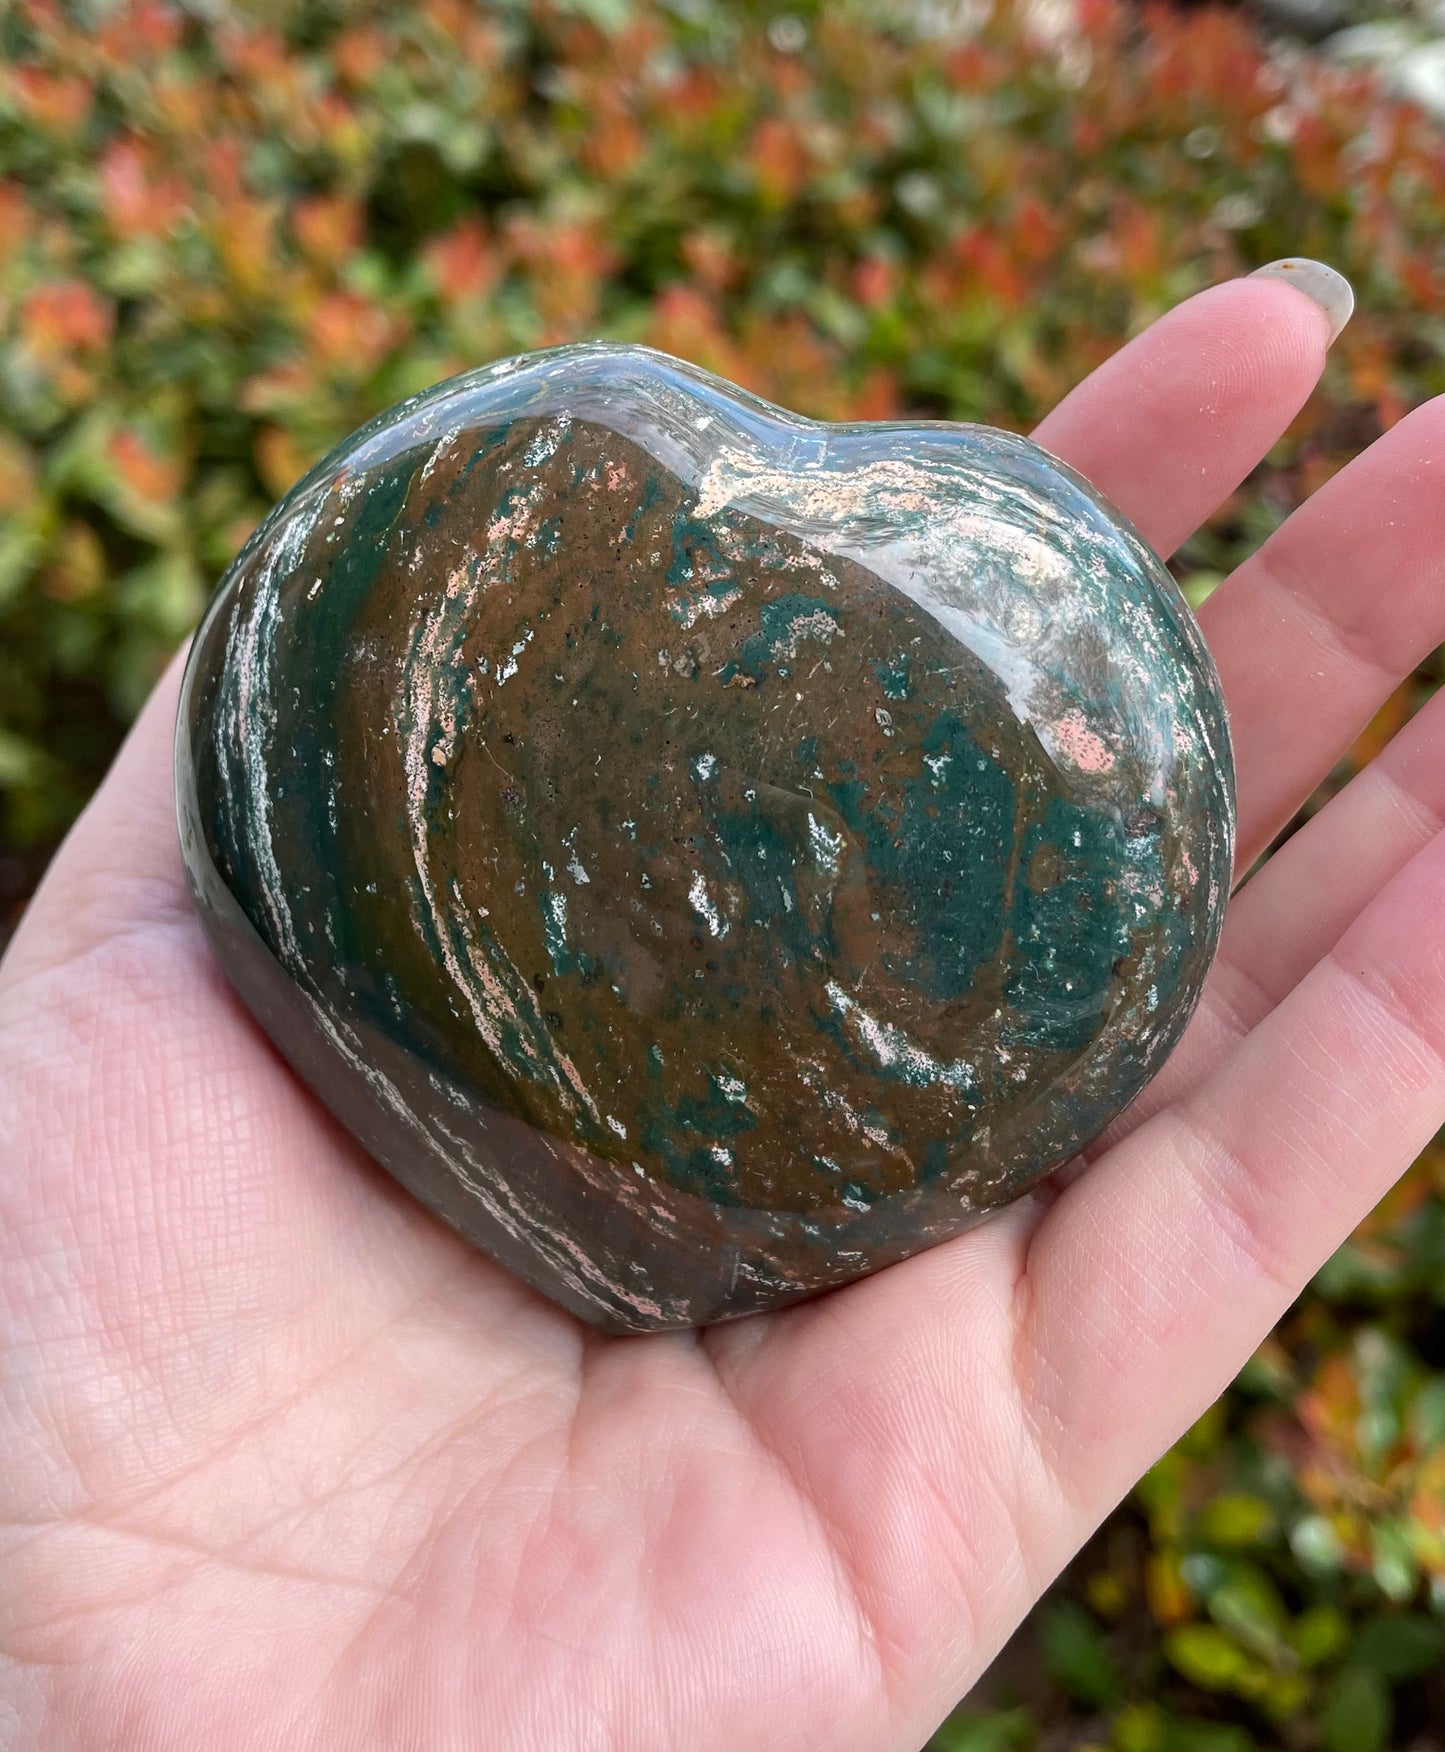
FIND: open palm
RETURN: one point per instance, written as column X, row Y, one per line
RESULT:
column 287, row 1466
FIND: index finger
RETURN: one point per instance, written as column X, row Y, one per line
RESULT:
column 1171, row 424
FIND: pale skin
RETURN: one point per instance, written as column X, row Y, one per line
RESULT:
column 286, row 1465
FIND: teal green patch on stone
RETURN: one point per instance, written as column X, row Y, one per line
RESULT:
column 695, row 1137
column 942, row 836
column 893, row 675
column 786, row 625
column 1070, row 926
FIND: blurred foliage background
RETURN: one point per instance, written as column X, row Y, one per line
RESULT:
column 229, row 232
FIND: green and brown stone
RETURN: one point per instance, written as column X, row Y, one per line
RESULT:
column 705, row 855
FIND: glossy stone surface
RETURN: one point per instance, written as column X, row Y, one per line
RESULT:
column 705, row 855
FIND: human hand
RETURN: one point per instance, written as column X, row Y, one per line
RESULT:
column 288, row 1466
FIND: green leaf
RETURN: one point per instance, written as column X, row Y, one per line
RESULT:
column 1202, row 1439
column 1207, row 1737
column 163, row 596
column 1140, row 1728
column 21, row 762
column 1146, row 1727
column 1209, row 1657
column 1400, row 1647
column 1199, row 586
column 1001, row 1730
column 1317, row 1546
column 609, row 16
column 1392, row 1561
column 1357, row 1714
column 1427, row 1414
column 1077, row 1653
column 1247, row 1604
column 1283, row 1695
column 135, row 268
column 21, row 545
column 1319, row 1634
column 1161, row 1492
column 1234, row 1521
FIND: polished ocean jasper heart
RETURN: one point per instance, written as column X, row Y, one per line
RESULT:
column 704, row 854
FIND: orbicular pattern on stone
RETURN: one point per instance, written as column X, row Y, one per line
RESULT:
column 704, row 854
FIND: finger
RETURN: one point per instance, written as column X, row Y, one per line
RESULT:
column 1152, row 1277
column 120, row 865
column 1314, row 631
column 1171, row 424
column 1300, row 904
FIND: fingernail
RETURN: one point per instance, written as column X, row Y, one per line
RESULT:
column 1329, row 288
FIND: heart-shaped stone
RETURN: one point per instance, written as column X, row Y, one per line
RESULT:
column 704, row 854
